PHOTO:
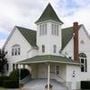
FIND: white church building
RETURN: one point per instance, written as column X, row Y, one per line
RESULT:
column 54, row 55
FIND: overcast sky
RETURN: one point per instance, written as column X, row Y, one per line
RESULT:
column 26, row 12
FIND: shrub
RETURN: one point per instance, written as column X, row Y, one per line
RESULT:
column 85, row 85
column 22, row 73
column 11, row 84
column 2, row 79
column 14, row 75
column 13, row 80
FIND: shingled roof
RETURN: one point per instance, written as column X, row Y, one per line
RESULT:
column 67, row 34
column 47, row 58
column 49, row 14
column 30, row 35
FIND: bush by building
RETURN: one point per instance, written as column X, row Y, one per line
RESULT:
column 2, row 79
column 12, row 81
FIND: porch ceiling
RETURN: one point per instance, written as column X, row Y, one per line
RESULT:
column 47, row 59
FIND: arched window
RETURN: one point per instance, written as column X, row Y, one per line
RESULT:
column 83, row 62
column 15, row 50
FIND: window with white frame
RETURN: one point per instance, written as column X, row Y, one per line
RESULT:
column 55, row 29
column 83, row 62
column 15, row 50
column 43, row 29
column 54, row 48
column 57, row 69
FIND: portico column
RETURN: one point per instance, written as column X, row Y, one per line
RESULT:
column 48, row 76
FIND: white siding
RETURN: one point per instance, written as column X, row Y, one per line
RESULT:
column 73, row 82
column 17, row 38
column 49, row 40
column 83, row 48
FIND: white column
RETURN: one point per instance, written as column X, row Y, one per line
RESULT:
column 48, row 75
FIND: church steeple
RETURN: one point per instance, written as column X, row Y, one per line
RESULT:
column 49, row 14
column 49, row 32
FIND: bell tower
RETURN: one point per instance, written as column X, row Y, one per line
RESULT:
column 49, row 32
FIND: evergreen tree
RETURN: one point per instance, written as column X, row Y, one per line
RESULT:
column 3, row 61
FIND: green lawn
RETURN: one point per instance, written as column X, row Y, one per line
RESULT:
column 7, row 89
column 2, row 88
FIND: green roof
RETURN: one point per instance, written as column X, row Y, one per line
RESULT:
column 49, row 14
column 67, row 34
column 47, row 58
column 30, row 35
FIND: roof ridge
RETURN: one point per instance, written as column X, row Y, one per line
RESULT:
column 29, row 35
column 71, row 26
column 25, row 28
column 67, row 34
column 49, row 14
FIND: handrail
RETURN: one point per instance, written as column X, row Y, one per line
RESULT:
column 61, row 81
column 58, row 76
column 61, row 78
column 25, row 80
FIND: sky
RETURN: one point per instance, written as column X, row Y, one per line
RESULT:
column 25, row 12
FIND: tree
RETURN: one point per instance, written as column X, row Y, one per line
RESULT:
column 3, row 61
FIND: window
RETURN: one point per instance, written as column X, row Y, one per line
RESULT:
column 18, row 51
column 83, row 62
column 16, row 66
column 13, row 66
column 15, row 50
column 57, row 70
column 12, row 51
column 43, row 48
column 55, row 29
column 43, row 29
column 54, row 48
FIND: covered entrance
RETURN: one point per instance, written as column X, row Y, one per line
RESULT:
column 48, row 67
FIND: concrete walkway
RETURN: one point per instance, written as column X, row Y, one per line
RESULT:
column 39, row 84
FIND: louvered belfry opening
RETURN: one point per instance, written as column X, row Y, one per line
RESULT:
column 76, row 41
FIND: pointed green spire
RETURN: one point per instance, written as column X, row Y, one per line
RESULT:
column 49, row 14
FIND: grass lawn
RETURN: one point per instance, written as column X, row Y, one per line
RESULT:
column 2, row 88
column 7, row 89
